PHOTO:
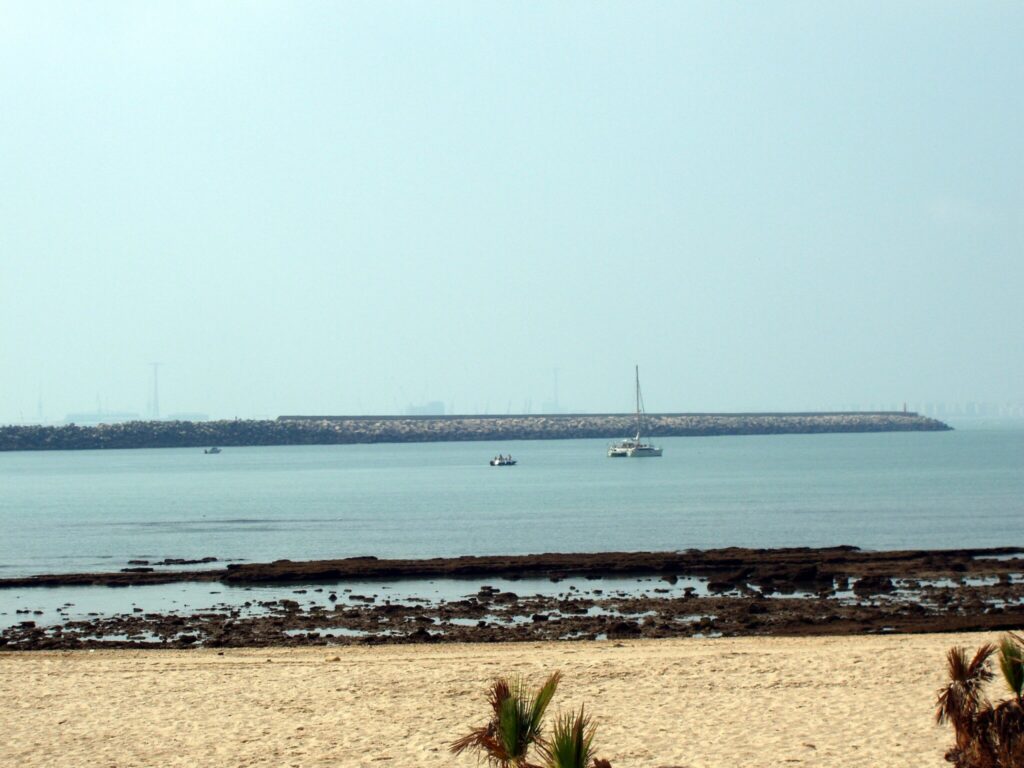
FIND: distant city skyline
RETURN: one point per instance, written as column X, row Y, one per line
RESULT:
column 363, row 208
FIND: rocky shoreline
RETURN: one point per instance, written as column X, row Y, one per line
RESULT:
column 727, row 592
column 342, row 430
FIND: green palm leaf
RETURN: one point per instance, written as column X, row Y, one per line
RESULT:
column 517, row 716
column 1011, row 662
column 572, row 740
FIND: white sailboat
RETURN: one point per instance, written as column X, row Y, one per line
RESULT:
column 635, row 448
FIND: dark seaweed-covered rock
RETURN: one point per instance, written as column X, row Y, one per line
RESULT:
column 873, row 585
column 624, row 629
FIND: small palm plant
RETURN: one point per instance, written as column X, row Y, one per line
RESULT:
column 987, row 735
column 1007, row 718
column 1011, row 663
column 571, row 743
column 962, row 697
column 515, row 724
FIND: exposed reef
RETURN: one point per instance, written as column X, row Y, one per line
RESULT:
column 340, row 430
column 762, row 567
column 725, row 592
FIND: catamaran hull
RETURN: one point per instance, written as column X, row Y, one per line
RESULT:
column 642, row 453
column 635, row 453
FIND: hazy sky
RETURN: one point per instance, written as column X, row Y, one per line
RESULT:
column 350, row 207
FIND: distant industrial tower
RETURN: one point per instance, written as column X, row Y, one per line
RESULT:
column 155, row 406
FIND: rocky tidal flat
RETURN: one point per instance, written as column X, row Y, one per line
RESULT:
column 729, row 592
column 342, row 430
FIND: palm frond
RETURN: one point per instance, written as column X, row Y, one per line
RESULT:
column 572, row 742
column 523, row 714
column 539, row 703
column 515, row 723
column 484, row 739
column 512, row 728
column 978, row 668
column 959, row 701
column 987, row 735
column 1011, row 663
column 1006, row 735
column 501, row 690
column 481, row 739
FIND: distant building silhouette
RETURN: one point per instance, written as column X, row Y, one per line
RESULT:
column 433, row 408
column 187, row 417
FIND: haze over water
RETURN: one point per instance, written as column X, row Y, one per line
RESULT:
column 348, row 208
column 95, row 510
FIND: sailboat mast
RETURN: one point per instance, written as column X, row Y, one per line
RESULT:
column 637, row 370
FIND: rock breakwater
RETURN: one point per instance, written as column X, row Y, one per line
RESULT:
column 340, row 430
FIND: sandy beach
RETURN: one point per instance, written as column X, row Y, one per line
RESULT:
column 835, row 701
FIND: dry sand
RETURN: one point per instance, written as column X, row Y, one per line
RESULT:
column 843, row 701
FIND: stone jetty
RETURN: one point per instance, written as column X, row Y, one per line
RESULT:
column 340, row 430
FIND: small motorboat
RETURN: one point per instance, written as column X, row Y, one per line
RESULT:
column 214, row 449
column 503, row 461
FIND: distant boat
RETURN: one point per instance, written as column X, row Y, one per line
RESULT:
column 635, row 448
column 503, row 461
column 214, row 449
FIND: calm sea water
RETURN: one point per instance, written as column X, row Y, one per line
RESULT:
column 95, row 510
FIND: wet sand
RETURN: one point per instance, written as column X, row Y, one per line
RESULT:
column 826, row 701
